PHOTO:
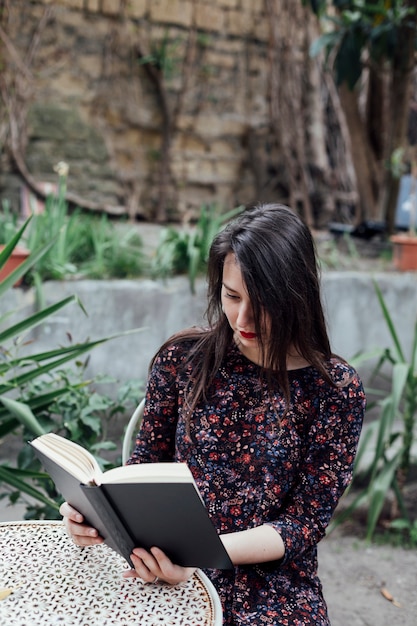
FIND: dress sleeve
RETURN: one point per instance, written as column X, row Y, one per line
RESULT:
column 156, row 438
column 326, row 470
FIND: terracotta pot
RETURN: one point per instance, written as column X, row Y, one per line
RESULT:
column 17, row 257
column 405, row 252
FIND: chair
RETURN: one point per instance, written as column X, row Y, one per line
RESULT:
column 131, row 430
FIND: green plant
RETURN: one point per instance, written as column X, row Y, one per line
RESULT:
column 82, row 414
column 8, row 223
column 331, row 256
column 360, row 25
column 405, row 526
column 52, row 223
column 115, row 252
column 187, row 251
column 391, row 436
column 164, row 56
column 29, row 404
column 86, row 246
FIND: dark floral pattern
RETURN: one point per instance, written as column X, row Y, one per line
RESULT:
column 255, row 465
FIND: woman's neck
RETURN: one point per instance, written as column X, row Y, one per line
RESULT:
column 295, row 360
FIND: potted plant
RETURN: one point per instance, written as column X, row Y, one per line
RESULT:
column 405, row 244
column 8, row 228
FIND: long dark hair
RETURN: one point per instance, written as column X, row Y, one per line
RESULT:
column 277, row 257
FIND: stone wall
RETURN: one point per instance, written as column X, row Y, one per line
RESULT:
column 91, row 101
column 356, row 323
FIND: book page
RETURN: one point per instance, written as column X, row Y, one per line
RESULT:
column 70, row 456
column 149, row 472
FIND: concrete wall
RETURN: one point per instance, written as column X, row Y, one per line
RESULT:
column 354, row 316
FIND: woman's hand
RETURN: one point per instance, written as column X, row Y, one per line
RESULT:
column 81, row 534
column 155, row 565
column 149, row 566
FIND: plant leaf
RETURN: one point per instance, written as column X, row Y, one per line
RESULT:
column 389, row 322
column 10, row 246
column 378, row 490
column 11, row 477
column 71, row 353
column 36, row 319
column 8, row 282
column 23, row 413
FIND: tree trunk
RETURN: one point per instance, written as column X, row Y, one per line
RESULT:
column 362, row 155
column 376, row 111
column 316, row 134
column 306, row 115
column 403, row 64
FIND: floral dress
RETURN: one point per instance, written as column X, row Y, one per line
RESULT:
column 255, row 466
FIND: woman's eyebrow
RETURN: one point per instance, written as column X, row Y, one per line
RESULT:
column 229, row 288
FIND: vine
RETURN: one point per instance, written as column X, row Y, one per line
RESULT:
column 157, row 65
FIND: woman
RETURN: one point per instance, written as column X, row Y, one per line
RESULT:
column 265, row 416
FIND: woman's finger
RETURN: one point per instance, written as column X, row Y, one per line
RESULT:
column 67, row 511
column 154, row 565
column 146, row 566
column 169, row 572
column 81, row 534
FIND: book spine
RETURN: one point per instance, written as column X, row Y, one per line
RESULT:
column 112, row 529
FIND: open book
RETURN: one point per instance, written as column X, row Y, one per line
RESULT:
column 152, row 504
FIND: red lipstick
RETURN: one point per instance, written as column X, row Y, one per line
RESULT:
column 248, row 335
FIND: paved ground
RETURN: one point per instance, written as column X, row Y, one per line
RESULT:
column 368, row 585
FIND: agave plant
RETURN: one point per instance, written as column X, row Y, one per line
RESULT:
column 18, row 408
column 390, row 438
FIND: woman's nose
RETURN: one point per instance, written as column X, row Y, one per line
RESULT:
column 245, row 316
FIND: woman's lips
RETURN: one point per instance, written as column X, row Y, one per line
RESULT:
column 247, row 335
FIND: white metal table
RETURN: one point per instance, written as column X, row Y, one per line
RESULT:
column 58, row 583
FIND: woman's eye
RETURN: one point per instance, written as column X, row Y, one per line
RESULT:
column 232, row 296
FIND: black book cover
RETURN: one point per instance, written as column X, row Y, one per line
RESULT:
column 172, row 517
column 168, row 515
column 91, row 502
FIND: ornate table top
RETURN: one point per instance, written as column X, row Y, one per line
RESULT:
column 57, row 583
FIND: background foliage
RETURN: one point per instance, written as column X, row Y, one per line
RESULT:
column 39, row 394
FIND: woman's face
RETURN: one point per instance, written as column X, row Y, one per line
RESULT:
column 238, row 310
